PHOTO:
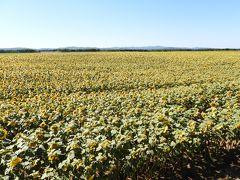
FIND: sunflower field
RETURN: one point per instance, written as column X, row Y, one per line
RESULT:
column 113, row 115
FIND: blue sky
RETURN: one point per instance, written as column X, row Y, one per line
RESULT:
column 106, row 23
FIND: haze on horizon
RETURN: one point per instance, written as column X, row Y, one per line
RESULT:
column 105, row 23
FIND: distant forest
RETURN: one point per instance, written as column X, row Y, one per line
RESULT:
column 111, row 50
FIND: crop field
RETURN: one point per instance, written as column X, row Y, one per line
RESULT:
column 116, row 115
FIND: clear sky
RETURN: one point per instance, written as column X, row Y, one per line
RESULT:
column 106, row 23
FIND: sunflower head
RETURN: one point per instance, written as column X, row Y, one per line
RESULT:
column 3, row 134
column 53, row 157
column 238, row 126
column 43, row 125
column 53, row 146
column 32, row 144
column 55, row 128
column 14, row 162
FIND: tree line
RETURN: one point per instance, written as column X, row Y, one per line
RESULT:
column 112, row 50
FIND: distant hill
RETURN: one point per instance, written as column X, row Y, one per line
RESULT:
column 142, row 48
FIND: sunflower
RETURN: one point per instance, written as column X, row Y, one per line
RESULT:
column 53, row 157
column 32, row 144
column 238, row 125
column 12, row 123
column 105, row 144
column 3, row 134
column 74, row 146
column 68, row 130
column 14, row 162
column 53, row 146
column 191, row 125
column 55, row 128
column 43, row 124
